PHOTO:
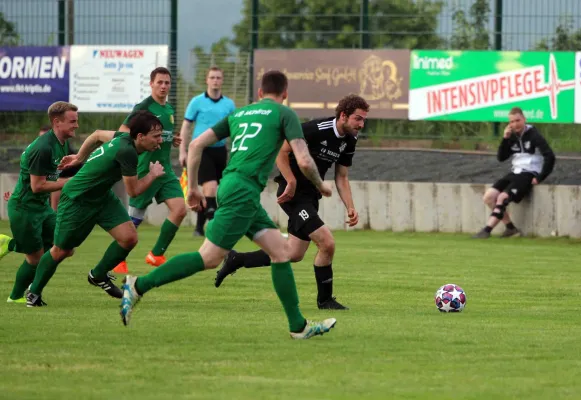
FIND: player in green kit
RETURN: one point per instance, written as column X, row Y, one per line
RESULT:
column 32, row 220
column 87, row 200
column 166, row 189
column 257, row 132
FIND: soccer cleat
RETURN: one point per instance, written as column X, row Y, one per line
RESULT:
column 21, row 300
column 130, row 298
column 331, row 304
column 34, row 300
column 510, row 232
column 121, row 268
column 314, row 328
column 481, row 235
column 232, row 262
column 106, row 285
column 4, row 241
column 156, row 261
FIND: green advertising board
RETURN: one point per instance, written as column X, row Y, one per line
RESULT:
column 485, row 85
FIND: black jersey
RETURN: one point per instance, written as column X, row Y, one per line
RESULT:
column 326, row 147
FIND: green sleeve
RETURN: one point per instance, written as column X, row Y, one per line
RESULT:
column 40, row 161
column 291, row 125
column 117, row 134
column 222, row 129
column 127, row 159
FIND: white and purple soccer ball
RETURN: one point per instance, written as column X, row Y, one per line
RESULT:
column 450, row 298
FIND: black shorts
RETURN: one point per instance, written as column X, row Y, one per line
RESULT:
column 303, row 215
column 212, row 165
column 517, row 185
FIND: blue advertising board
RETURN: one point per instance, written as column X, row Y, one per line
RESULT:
column 32, row 78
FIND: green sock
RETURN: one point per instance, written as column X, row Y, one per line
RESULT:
column 12, row 245
column 113, row 256
column 284, row 285
column 24, row 277
column 176, row 268
column 44, row 271
column 166, row 235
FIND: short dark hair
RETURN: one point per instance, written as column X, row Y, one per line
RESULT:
column 349, row 104
column 143, row 122
column 274, row 82
column 516, row 110
column 159, row 70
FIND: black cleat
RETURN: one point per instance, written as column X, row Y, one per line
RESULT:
column 232, row 262
column 331, row 304
column 510, row 232
column 481, row 235
column 34, row 300
column 106, row 285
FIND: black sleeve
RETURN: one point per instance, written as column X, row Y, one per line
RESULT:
column 310, row 130
column 547, row 153
column 504, row 151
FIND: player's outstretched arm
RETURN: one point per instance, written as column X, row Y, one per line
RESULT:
column 308, row 166
column 185, row 133
column 39, row 184
column 94, row 140
column 195, row 150
column 344, row 190
column 134, row 186
column 283, row 165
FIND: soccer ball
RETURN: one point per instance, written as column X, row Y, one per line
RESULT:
column 450, row 298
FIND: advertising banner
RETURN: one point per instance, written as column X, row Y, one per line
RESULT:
column 32, row 78
column 485, row 85
column 578, row 88
column 113, row 78
column 318, row 79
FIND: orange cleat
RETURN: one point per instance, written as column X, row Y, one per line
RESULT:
column 121, row 268
column 156, row 261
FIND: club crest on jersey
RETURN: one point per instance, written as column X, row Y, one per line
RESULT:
column 515, row 147
column 342, row 147
column 527, row 145
column 171, row 119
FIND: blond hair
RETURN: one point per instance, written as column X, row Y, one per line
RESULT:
column 58, row 110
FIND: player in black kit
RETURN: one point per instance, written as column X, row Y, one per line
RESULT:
column 331, row 141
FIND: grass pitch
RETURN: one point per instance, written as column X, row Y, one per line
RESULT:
column 518, row 338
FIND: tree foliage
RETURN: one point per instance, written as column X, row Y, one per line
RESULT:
column 564, row 39
column 8, row 34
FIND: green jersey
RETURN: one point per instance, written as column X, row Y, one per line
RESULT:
column 165, row 114
column 257, row 132
column 104, row 167
column 40, row 158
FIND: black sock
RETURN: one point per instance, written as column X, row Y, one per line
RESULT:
column 324, row 277
column 255, row 259
column 211, row 207
column 510, row 225
column 201, row 222
column 488, row 229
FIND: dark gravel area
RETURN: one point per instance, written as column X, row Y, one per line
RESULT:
column 410, row 166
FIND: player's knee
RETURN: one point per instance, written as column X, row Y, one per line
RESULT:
column 296, row 256
column 129, row 242
column 489, row 198
column 327, row 246
column 503, row 199
column 59, row 254
column 180, row 213
column 211, row 261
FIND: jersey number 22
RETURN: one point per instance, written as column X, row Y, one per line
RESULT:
column 239, row 139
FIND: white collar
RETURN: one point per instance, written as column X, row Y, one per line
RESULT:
column 335, row 129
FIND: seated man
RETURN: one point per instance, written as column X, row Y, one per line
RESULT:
column 532, row 162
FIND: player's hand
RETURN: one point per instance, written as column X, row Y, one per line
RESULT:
column 326, row 189
column 507, row 132
column 353, row 217
column 196, row 200
column 289, row 192
column 177, row 140
column 68, row 162
column 183, row 159
column 535, row 181
column 7, row 196
column 156, row 169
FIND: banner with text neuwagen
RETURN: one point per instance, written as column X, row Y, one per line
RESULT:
column 485, row 85
column 112, row 78
column 32, row 78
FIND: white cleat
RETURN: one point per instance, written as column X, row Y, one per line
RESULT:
column 130, row 298
column 314, row 328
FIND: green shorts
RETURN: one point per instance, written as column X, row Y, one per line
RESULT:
column 239, row 212
column 75, row 219
column 162, row 189
column 32, row 230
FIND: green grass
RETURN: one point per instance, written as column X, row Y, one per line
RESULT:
column 517, row 338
